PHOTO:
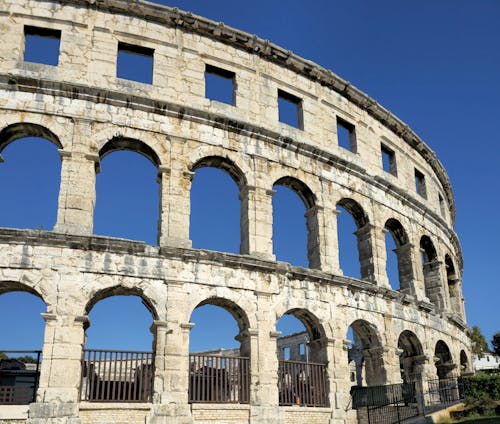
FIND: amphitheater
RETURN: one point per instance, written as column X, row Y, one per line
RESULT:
column 79, row 104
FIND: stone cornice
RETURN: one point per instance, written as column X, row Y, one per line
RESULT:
column 189, row 22
column 148, row 104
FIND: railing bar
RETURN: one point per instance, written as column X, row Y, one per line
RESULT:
column 141, row 378
column 119, row 391
column 128, row 364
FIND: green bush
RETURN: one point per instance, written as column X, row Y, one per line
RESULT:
column 482, row 386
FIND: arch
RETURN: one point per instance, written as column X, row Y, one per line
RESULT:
column 397, row 231
column 427, row 248
column 453, row 284
column 355, row 210
column 411, row 356
column 119, row 290
column 235, row 310
column 366, row 354
column 302, row 190
column 431, row 269
column 224, row 164
column 443, row 360
column 304, row 193
column 125, row 143
column 24, row 129
column 403, row 254
column 221, row 361
column 312, row 324
column 363, row 242
column 302, row 362
column 13, row 286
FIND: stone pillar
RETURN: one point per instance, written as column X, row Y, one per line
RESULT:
column 264, row 397
column 379, row 256
column 434, row 283
column 407, row 282
column 256, row 222
column 171, row 382
column 375, row 369
column 75, row 214
column 328, row 240
column 339, row 381
column 60, row 375
column 175, row 207
column 366, row 248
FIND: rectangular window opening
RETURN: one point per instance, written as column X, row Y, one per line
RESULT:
column 135, row 63
column 286, row 353
column 346, row 135
column 302, row 349
column 220, row 85
column 290, row 109
column 388, row 160
column 41, row 45
column 420, row 184
column 442, row 208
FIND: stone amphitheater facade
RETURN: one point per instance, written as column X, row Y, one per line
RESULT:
column 88, row 112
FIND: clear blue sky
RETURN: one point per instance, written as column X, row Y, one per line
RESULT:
column 435, row 64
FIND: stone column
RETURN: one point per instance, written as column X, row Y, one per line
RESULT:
column 257, row 222
column 175, row 207
column 375, row 369
column 407, row 281
column 328, row 240
column 60, row 375
column 171, row 382
column 379, row 255
column 366, row 248
column 322, row 243
column 339, row 380
column 264, row 398
column 434, row 283
column 75, row 214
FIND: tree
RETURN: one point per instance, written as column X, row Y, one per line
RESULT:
column 495, row 342
column 479, row 343
column 3, row 356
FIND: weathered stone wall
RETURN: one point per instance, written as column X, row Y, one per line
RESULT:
column 86, row 111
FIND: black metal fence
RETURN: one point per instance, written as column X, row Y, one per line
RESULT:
column 395, row 403
column 19, row 376
column 302, row 383
column 219, row 379
column 117, row 376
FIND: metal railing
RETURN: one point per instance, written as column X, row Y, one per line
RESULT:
column 117, row 376
column 19, row 378
column 444, row 391
column 219, row 379
column 302, row 383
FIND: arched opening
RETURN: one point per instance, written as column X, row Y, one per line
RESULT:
column 127, row 193
column 398, row 252
column 443, row 361
column 365, row 355
column 295, row 223
column 29, row 177
column 21, row 343
column 431, row 271
column 453, row 286
column 354, row 238
column 118, row 364
column 411, row 357
column 464, row 363
column 216, row 210
column 302, row 360
column 219, row 358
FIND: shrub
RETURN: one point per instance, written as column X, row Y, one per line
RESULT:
column 482, row 386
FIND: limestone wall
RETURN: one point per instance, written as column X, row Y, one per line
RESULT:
column 87, row 112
